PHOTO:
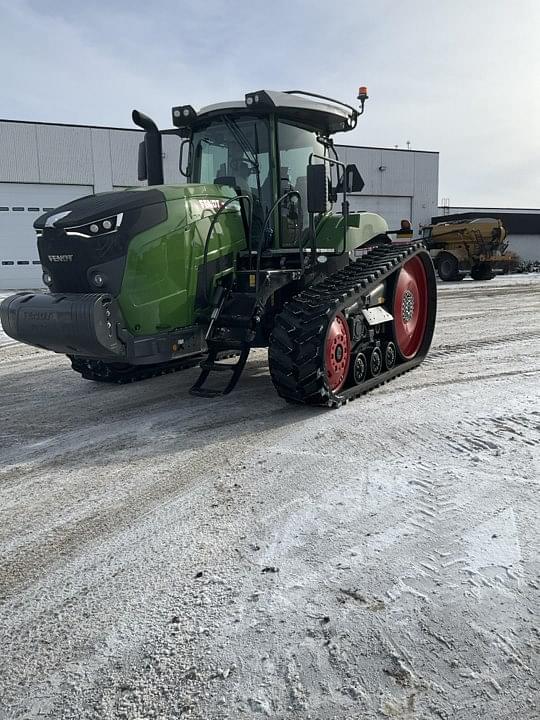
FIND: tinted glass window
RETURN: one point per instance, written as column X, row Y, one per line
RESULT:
column 296, row 145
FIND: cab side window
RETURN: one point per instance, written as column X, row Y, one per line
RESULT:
column 296, row 144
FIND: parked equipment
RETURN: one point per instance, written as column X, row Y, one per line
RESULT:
column 510, row 262
column 471, row 246
column 249, row 253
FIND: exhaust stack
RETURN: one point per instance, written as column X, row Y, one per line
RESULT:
column 150, row 166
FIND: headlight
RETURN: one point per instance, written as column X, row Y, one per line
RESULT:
column 97, row 227
column 99, row 279
column 47, row 279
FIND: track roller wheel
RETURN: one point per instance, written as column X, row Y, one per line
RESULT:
column 390, row 355
column 410, row 308
column 337, row 352
column 359, row 368
column 375, row 362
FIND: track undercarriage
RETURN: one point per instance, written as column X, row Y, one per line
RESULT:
column 329, row 344
column 323, row 350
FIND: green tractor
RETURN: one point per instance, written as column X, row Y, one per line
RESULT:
column 248, row 253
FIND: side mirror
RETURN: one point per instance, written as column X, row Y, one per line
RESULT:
column 142, row 172
column 354, row 182
column 317, row 189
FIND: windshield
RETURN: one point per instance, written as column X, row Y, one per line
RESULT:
column 235, row 151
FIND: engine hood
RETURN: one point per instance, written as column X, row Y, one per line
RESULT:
column 93, row 207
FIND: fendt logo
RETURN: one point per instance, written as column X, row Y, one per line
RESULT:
column 210, row 204
column 39, row 315
column 60, row 258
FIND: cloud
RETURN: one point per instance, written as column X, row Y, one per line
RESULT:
column 458, row 77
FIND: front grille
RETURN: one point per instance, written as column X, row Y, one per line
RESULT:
column 68, row 258
column 71, row 259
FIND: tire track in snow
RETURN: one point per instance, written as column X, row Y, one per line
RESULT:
column 497, row 433
column 473, row 345
column 447, row 563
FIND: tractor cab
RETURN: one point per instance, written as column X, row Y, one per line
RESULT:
column 263, row 148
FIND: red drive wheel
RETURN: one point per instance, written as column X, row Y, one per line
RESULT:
column 337, row 352
column 410, row 308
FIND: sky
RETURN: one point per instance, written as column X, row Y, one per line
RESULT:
column 459, row 77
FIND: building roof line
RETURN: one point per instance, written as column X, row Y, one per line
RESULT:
column 486, row 208
column 393, row 149
column 76, row 125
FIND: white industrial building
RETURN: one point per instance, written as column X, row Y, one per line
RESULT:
column 399, row 183
column 43, row 165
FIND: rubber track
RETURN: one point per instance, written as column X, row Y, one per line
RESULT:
column 296, row 350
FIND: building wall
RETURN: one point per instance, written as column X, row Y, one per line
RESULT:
column 398, row 183
column 104, row 158
column 526, row 246
column 44, row 165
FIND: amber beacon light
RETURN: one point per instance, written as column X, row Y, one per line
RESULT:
column 362, row 96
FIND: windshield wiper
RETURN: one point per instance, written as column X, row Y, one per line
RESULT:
column 243, row 141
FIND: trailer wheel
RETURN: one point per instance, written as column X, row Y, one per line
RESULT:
column 448, row 267
column 482, row 271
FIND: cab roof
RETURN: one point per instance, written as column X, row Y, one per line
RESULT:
column 323, row 114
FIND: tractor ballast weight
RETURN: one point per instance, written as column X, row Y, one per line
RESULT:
column 248, row 253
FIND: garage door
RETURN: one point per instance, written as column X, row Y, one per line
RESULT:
column 20, row 205
column 393, row 209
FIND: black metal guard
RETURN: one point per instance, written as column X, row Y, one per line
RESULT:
column 354, row 111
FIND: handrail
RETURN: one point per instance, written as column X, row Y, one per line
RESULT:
column 344, row 204
column 209, row 235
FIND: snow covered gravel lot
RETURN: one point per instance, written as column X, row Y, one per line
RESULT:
column 166, row 557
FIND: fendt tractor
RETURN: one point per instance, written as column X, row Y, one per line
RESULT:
column 473, row 246
column 248, row 253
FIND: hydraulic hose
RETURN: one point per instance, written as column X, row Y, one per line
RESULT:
column 289, row 193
